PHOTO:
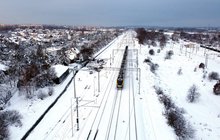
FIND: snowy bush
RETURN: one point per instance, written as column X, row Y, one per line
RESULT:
column 151, row 52
column 7, row 118
column 216, row 88
column 169, row 54
column 195, row 69
column 50, row 91
column 4, row 133
column 41, row 94
column 158, row 50
column 213, row 76
column 45, row 79
column 5, row 96
column 12, row 117
column 181, row 127
column 148, row 60
column 153, row 67
column 159, row 91
column 204, row 74
column 180, row 71
column 202, row 65
column 2, row 77
column 167, row 102
column 174, row 116
column 193, row 94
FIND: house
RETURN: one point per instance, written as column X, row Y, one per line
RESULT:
column 3, row 68
column 190, row 45
column 61, row 73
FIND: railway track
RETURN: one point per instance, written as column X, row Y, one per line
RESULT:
column 122, row 116
column 109, row 119
column 66, row 115
column 113, row 114
column 94, row 130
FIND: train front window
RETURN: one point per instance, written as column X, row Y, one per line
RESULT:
column 119, row 82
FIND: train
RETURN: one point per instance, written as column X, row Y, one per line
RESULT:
column 121, row 74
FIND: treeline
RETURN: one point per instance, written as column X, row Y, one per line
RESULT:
column 202, row 38
column 5, row 28
column 206, row 37
column 151, row 37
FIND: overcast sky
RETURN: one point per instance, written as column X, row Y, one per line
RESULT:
column 189, row 13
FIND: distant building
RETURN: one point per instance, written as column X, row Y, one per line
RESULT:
column 190, row 45
column 3, row 68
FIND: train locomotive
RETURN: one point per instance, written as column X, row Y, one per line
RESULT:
column 120, row 79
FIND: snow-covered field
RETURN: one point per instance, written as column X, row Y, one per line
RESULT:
column 133, row 113
column 203, row 115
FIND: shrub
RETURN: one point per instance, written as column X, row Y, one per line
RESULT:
column 158, row 50
column 153, row 67
column 213, row 76
column 216, row 88
column 167, row 102
column 50, row 91
column 180, row 71
column 12, row 117
column 204, row 74
column 202, row 65
column 193, row 94
column 8, row 118
column 159, row 91
column 174, row 116
column 148, row 60
column 4, row 133
column 5, row 96
column 46, row 78
column 195, row 69
column 41, row 95
column 176, row 120
column 151, row 52
column 169, row 54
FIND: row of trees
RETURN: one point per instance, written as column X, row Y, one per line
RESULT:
column 151, row 37
column 29, row 67
column 201, row 38
column 175, row 116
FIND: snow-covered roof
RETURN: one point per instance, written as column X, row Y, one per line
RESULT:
column 59, row 69
column 3, row 67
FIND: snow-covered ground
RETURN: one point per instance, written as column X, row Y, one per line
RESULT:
column 203, row 115
column 133, row 113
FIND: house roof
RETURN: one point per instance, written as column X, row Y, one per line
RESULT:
column 3, row 67
column 60, row 69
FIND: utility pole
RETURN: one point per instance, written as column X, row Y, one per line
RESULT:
column 98, row 81
column 139, row 80
column 74, row 84
column 77, row 112
column 206, row 60
column 204, row 51
column 137, row 64
column 71, row 106
column 140, row 48
column 110, row 60
column 94, row 84
column 113, row 57
column 77, row 115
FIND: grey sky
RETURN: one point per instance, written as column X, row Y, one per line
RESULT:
column 112, row 12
